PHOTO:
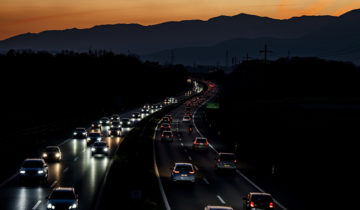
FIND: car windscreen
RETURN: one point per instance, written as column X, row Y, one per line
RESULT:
column 80, row 130
column 227, row 157
column 52, row 149
column 183, row 168
column 100, row 144
column 167, row 133
column 33, row 164
column 261, row 200
column 63, row 195
column 94, row 135
column 201, row 141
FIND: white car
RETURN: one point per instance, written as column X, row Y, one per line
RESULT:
column 186, row 119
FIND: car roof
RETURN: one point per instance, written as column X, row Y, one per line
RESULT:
column 50, row 147
column 80, row 129
column 219, row 207
column 183, row 164
column 34, row 159
column 226, row 153
column 64, row 189
column 260, row 193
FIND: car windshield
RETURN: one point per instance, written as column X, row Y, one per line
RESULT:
column 100, row 144
column 63, row 195
column 80, row 130
column 115, row 123
column 94, row 135
column 227, row 157
column 125, row 120
column 183, row 168
column 262, row 200
column 201, row 140
column 167, row 133
column 52, row 149
column 33, row 164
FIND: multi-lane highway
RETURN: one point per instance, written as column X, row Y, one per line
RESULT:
column 211, row 187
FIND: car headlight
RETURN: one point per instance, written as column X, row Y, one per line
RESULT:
column 22, row 172
column 108, row 121
column 45, row 155
column 93, row 149
column 57, row 155
column 74, row 206
column 88, row 139
column 75, row 133
column 106, row 149
column 84, row 133
column 50, row 206
column 99, row 138
column 40, row 171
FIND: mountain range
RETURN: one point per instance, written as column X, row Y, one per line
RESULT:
column 214, row 41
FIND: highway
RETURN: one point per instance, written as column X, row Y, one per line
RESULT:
column 211, row 187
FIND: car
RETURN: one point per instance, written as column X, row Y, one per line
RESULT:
column 144, row 113
column 93, row 137
column 115, row 117
column 183, row 172
column 114, row 132
column 164, row 126
column 165, row 120
column 104, row 121
column 218, row 208
column 258, row 200
column 167, row 136
column 125, row 124
column 34, row 169
column 186, row 119
column 146, row 106
column 188, row 114
column 63, row 198
column 52, row 153
column 100, row 148
column 80, row 133
column 95, row 127
column 201, row 143
column 188, row 109
column 136, row 117
column 115, row 124
column 226, row 161
column 169, row 117
column 153, row 108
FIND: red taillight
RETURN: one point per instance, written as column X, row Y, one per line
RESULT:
column 176, row 172
column 235, row 161
column 252, row 204
column 195, row 142
column 192, row 172
column 162, row 135
column 207, row 143
column 271, row 205
column 219, row 160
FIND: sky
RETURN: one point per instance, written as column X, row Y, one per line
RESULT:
column 22, row 16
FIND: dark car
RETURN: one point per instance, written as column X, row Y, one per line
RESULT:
column 167, row 136
column 52, row 153
column 144, row 113
column 100, row 148
column 114, row 132
column 115, row 124
column 165, row 120
column 169, row 117
column 258, row 200
column 125, row 124
column 105, row 121
column 115, row 117
column 93, row 137
column 226, row 161
column 63, row 198
column 80, row 133
column 136, row 117
column 33, row 169
column 165, row 126
column 95, row 127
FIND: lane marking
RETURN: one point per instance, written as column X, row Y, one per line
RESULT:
column 206, row 181
column 66, row 169
column 37, row 205
column 189, row 157
column 196, row 168
column 76, row 158
column 53, row 184
column 182, row 144
column 8, row 180
column 220, row 199
column 84, row 150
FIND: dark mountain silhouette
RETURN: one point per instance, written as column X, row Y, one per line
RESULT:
column 146, row 39
column 205, row 42
column 337, row 40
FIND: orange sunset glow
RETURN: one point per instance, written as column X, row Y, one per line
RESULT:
column 22, row 16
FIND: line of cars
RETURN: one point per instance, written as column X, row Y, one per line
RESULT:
column 36, row 169
column 225, row 161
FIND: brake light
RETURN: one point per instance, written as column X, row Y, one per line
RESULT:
column 192, row 172
column 162, row 135
column 235, row 161
column 176, row 172
column 195, row 142
column 252, row 204
column 219, row 160
column 207, row 143
column 271, row 205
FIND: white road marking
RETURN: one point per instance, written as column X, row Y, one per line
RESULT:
column 206, row 181
column 77, row 158
column 8, row 180
column 196, row 168
column 53, row 184
column 189, row 157
column 84, row 150
column 220, row 199
column 66, row 169
column 185, row 150
column 37, row 205
column 182, row 144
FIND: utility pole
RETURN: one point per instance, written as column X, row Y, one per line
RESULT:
column 266, row 52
